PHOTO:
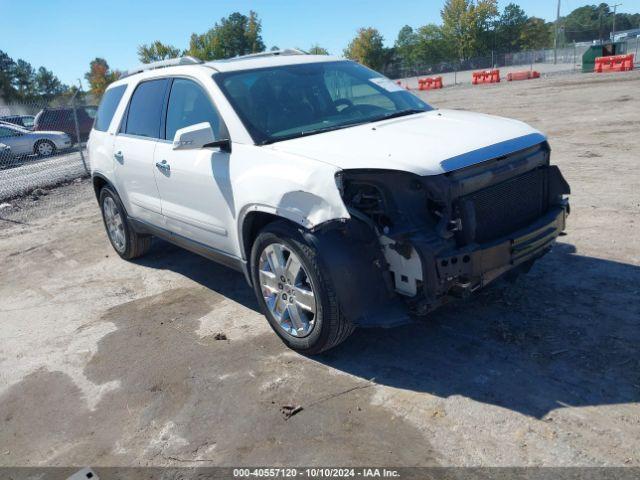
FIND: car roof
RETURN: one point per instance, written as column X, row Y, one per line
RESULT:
column 251, row 62
column 166, row 68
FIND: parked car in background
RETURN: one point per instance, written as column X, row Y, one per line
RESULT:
column 5, row 154
column 25, row 142
column 25, row 121
column 62, row 119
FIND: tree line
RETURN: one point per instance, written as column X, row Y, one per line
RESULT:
column 468, row 29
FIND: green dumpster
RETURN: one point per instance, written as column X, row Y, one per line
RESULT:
column 601, row 50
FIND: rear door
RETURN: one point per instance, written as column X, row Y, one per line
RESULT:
column 197, row 201
column 134, row 149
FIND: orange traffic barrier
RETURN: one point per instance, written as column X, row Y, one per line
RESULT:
column 614, row 63
column 486, row 76
column 522, row 75
column 429, row 83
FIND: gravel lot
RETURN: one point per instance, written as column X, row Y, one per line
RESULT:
column 104, row 362
column 29, row 173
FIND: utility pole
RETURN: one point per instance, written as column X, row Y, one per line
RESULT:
column 555, row 37
column 613, row 33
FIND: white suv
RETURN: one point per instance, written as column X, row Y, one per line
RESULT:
column 344, row 199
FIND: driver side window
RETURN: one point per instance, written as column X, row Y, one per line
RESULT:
column 343, row 86
column 189, row 105
column 6, row 132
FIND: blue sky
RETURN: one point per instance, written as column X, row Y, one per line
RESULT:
column 65, row 36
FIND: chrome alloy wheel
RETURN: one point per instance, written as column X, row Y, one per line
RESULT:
column 287, row 290
column 115, row 226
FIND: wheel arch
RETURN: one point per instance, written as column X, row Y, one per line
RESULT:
column 99, row 182
column 252, row 221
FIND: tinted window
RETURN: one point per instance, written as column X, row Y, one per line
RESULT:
column 145, row 109
column 291, row 101
column 108, row 107
column 189, row 105
column 6, row 132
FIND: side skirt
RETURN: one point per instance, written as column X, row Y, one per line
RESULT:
column 201, row 249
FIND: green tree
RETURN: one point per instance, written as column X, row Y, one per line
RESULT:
column 252, row 33
column 47, row 84
column 234, row 35
column 510, row 27
column 367, row 48
column 157, row 51
column 318, row 50
column 432, row 45
column 406, row 46
column 465, row 24
column 100, row 76
column 7, row 69
column 24, row 79
column 536, row 35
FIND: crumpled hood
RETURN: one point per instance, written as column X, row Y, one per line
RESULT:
column 428, row 143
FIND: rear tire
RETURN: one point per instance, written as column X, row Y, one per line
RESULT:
column 124, row 239
column 330, row 327
column 44, row 148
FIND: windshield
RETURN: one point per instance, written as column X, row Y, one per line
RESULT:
column 290, row 101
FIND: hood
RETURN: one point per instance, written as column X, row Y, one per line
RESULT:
column 428, row 143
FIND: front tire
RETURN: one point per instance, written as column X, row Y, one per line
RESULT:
column 295, row 293
column 124, row 239
column 44, row 148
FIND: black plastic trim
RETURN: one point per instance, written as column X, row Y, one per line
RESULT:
column 201, row 249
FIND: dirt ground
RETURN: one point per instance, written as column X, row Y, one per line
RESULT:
column 104, row 362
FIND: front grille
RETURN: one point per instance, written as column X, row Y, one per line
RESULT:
column 508, row 206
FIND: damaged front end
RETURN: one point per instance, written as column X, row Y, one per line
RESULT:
column 419, row 241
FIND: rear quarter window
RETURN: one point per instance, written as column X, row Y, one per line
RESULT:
column 108, row 107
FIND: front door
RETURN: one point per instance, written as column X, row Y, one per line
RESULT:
column 134, row 150
column 18, row 141
column 194, row 185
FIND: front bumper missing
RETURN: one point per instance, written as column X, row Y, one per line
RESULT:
column 364, row 287
column 473, row 267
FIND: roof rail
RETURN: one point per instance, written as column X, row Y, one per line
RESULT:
column 273, row 53
column 172, row 62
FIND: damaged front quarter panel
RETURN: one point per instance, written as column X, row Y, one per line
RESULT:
column 443, row 236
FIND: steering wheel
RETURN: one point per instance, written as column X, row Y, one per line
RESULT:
column 343, row 101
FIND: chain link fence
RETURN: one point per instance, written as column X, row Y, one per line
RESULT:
column 548, row 62
column 42, row 144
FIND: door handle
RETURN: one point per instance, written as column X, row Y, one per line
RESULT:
column 164, row 166
column 118, row 155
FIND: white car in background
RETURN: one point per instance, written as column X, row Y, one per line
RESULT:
column 26, row 142
column 345, row 200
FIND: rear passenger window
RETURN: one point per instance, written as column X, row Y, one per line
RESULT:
column 145, row 109
column 189, row 105
column 108, row 107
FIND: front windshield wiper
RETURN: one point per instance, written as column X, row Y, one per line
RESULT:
column 305, row 133
column 399, row 113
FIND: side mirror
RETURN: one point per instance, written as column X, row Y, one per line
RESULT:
column 193, row 137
